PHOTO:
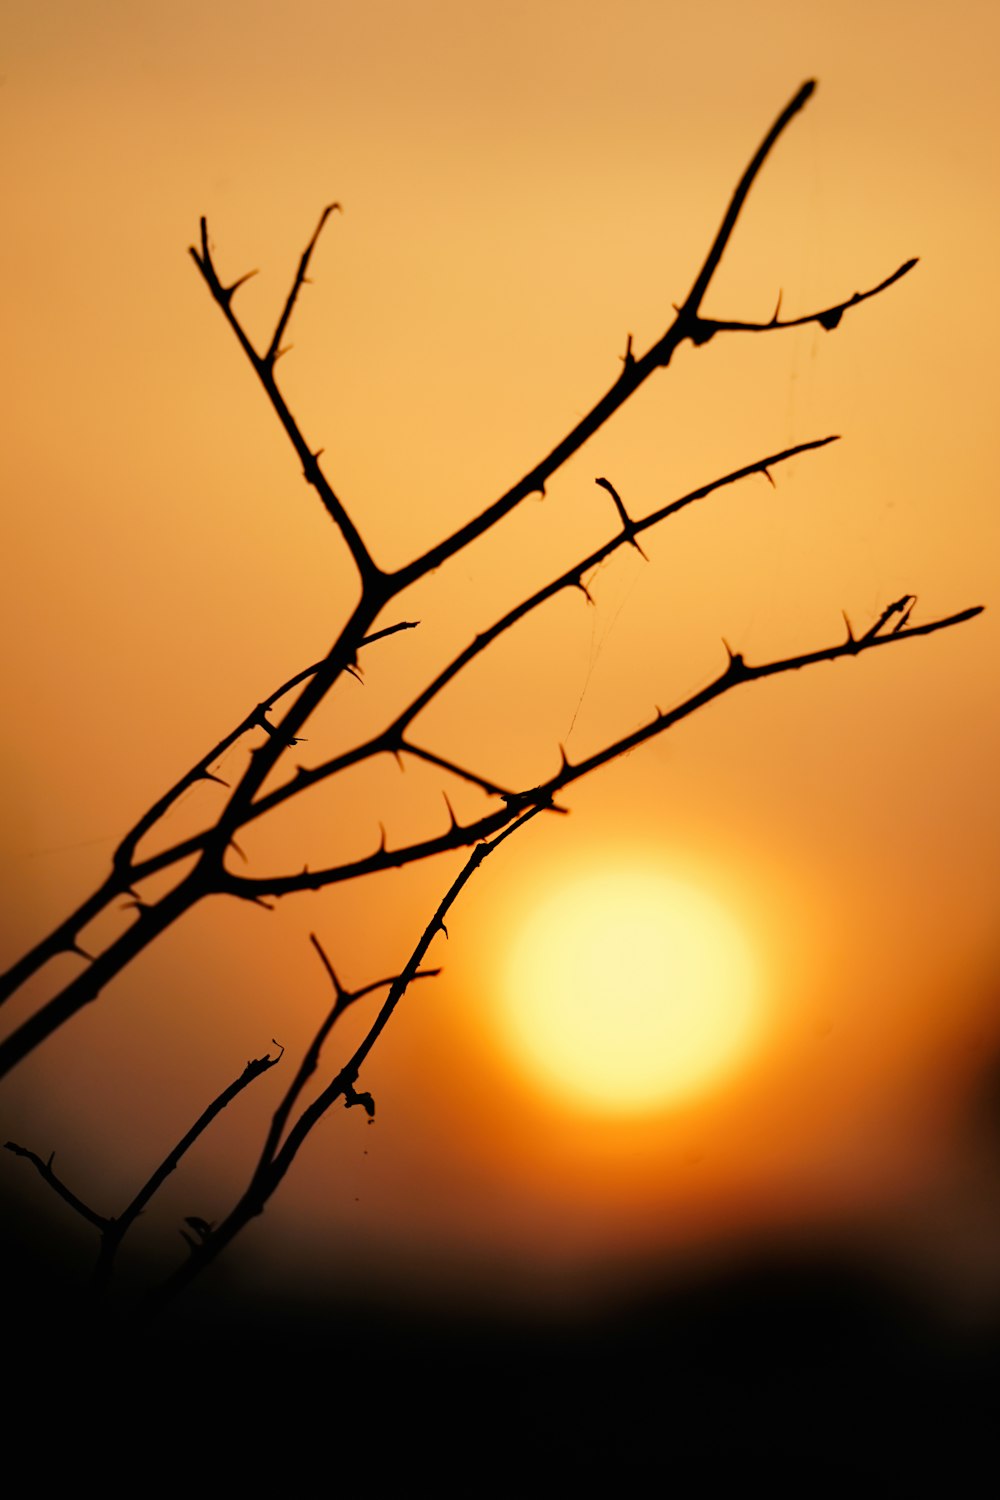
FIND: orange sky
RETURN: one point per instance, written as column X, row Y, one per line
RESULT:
column 522, row 188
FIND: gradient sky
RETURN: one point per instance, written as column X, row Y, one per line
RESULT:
column 522, row 187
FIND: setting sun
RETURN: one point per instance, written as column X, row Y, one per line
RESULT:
column 628, row 991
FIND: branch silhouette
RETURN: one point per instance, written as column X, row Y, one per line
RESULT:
column 277, row 721
column 278, row 1155
column 114, row 1230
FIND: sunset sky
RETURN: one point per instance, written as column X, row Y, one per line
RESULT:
column 522, row 188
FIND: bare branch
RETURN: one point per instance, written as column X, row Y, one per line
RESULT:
column 300, row 277
column 62, row 939
column 264, row 367
column 378, row 635
column 391, row 741
column 539, row 797
column 246, row 801
column 254, row 1069
column 635, row 371
column 310, row 1061
column 492, row 788
column 746, row 182
column 44, row 1169
column 113, row 1230
column 703, row 329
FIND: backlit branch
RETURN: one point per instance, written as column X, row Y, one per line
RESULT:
column 702, row 329
column 274, row 348
column 44, row 1170
column 275, row 1162
column 343, row 999
column 377, row 590
column 391, row 740
column 636, row 370
column 263, row 365
column 541, row 796
column 201, row 862
column 113, row 1230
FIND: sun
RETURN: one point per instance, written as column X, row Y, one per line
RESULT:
column 627, row 991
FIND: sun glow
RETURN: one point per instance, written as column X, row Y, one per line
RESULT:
column 627, row 991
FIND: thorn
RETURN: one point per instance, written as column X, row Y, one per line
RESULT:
column 74, row 947
column 444, row 930
column 769, row 477
column 584, row 590
column 451, row 810
column 399, row 759
column 382, row 844
column 261, row 901
column 735, row 658
column 850, row 631
column 541, row 491
column 659, row 711
column 355, row 673
column 210, row 776
column 777, row 310
column 48, row 1164
column 285, row 349
column 628, row 358
column 227, row 291
column 565, row 761
column 239, row 851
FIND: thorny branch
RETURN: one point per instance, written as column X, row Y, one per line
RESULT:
column 203, row 857
column 276, row 1157
column 113, row 1230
